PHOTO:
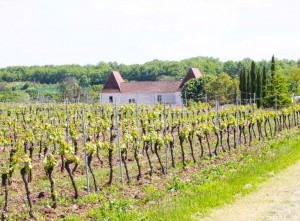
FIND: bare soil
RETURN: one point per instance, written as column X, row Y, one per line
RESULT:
column 276, row 199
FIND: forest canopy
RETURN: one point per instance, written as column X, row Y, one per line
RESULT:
column 150, row 71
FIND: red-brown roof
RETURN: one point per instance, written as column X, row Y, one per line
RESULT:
column 192, row 73
column 114, row 81
column 146, row 87
column 116, row 84
column 151, row 87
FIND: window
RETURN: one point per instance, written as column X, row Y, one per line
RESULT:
column 159, row 98
column 111, row 99
column 131, row 100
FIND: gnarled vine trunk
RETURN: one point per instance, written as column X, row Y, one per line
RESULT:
column 146, row 145
column 158, row 157
column 123, row 156
column 67, row 166
column 182, row 152
column 89, row 163
column 53, row 196
column 5, row 186
column 190, row 139
column 28, row 193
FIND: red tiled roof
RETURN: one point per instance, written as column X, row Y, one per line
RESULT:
column 192, row 73
column 151, row 87
column 146, row 87
column 113, row 82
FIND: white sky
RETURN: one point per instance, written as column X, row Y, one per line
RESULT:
column 38, row 32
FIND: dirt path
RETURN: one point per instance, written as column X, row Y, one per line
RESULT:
column 276, row 199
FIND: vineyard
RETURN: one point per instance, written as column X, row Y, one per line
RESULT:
column 107, row 145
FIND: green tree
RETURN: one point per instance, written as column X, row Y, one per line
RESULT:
column 277, row 88
column 230, row 67
column 194, row 89
column 248, row 91
column 273, row 66
column 253, row 79
column 224, row 86
column 33, row 92
column 70, row 89
column 264, row 82
column 294, row 80
column 84, row 81
column 243, row 84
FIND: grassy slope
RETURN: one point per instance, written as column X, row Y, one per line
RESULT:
column 231, row 181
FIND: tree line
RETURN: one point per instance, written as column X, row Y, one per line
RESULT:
column 154, row 70
column 268, row 84
column 268, row 89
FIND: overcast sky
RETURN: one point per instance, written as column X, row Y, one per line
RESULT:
column 136, row 31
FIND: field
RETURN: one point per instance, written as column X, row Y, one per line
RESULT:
column 23, row 92
column 135, row 156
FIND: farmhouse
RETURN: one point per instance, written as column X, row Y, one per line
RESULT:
column 116, row 90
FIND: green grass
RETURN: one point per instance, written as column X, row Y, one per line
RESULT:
column 227, row 182
column 53, row 88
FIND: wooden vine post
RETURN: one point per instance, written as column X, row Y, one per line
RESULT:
column 118, row 143
column 237, row 118
column 85, row 155
column 165, row 133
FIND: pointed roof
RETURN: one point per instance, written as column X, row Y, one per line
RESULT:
column 114, row 81
column 192, row 73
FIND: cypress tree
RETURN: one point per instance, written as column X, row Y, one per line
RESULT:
column 248, row 91
column 241, row 80
column 259, row 89
column 242, row 85
column 253, row 79
column 273, row 66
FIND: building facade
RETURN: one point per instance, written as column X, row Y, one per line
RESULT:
column 116, row 90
